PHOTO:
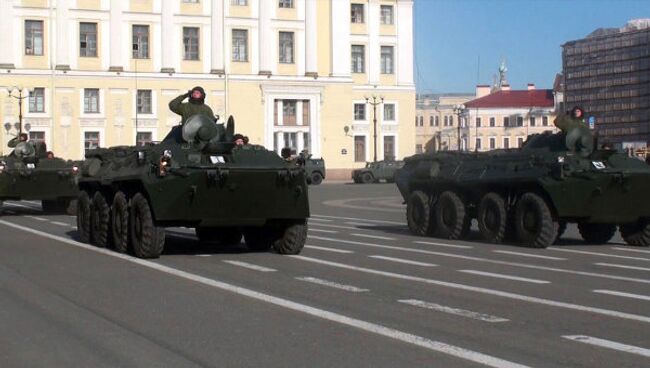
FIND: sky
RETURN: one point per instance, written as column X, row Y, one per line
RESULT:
column 452, row 35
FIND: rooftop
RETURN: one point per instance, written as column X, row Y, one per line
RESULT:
column 514, row 98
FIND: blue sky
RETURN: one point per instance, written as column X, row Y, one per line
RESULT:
column 450, row 35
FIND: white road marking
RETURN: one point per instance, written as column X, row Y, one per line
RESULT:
column 504, row 294
column 350, row 288
column 319, row 219
column 507, row 277
column 444, row 244
column 632, row 250
column 360, row 219
column 377, row 329
column 454, row 311
column 609, row 344
column 406, row 261
column 323, row 231
column 37, row 208
column 334, row 250
column 334, row 226
column 529, row 255
column 9, row 212
column 487, row 260
column 373, row 236
column 622, row 266
column 250, row 266
column 597, row 254
column 359, row 223
column 60, row 224
column 37, row 218
column 625, row 295
column 203, row 255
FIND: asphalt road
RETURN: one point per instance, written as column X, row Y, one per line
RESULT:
column 363, row 293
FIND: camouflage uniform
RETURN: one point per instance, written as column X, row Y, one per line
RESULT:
column 193, row 107
column 22, row 148
column 567, row 122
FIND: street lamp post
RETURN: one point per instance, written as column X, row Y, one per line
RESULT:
column 458, row 110
column 20, row 98
column 374, row 101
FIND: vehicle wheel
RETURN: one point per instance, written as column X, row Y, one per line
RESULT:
column 533, row 221
column 258, row 239
column 596, row 233
column 637, row 233
column 100, row 218
column 120, row 222
column 561, row 228
column 148, row 239
column 450, row 216
column 83, row 217
column 418, row 213
column 291, row 239
column 492, row 218
column 316, row 178
column 221, row 235
column 71, row 207
column 367, row 178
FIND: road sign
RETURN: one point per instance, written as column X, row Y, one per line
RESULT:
column 592, row 122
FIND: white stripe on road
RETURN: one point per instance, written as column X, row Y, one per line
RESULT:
column 203, row 255
column 625, row 295
column 350, row 288
column 529, row 255
column 597, row 254
column 60, row 224
column 406, row 261
column 377, row 329
column 323, row 231
column 609, row 344
column 335, row 226
column 9, row 212
column 444, row 245
column 37, row 218
column 487, row 260
column 632, row 250
column 359, row 223
column 360, row 219
column 319, row 219
column 373, row 236
column 507, row 277
column 455, row 311
column 37, row 208
column 622, row 266
column 334, row 250
column 504, row 294
column 250, row 266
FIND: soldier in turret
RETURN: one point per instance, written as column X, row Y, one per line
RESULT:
column 22, row 147
column 196, row 104
column 572, row 119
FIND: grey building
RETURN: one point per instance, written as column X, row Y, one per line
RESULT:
column 608, row 74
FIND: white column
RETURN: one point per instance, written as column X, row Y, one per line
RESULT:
column 311, row 40
column 167, row 30
column 62, row 36
column 404, row 19
column 280, row 137
column 216, row 41
column 340, row 28
column 7, row 35
column 116, row 39
column 266, row 9
column 374, row 49
column 299, row 113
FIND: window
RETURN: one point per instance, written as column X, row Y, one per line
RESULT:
column 418, row 148
column 492, row 122
column 37, row 137
column 91, row 101
column 437, row 123
column 421, row 120
column 520, row 142
column 191, row 43
column 545, row 120
column 506, row 121
column 359, row 111
column 493, row 143
column 239, row 2
column 451, row 120
column 356, row 13
column 389, row 112
column 140, row 42
column 305, row 141
column 33, row 37
column 478, row 122
column 478, row 143
column 285, row 3
column 143, row 138
column 430, row 120
column 520, row 121
column 387, row 60
column 91, row 140
column 88, row 39
column 286, row 47
column 506, row 142
column 143, row 102
column 289, row 112
column 240, row 45
column 446, row 120
column 389, row 147
column 37, row 100
column 386, row 14
column 359, row 148
column 532, row 121
column 358, row 59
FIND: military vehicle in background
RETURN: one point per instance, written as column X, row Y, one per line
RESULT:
column 314, row 168
column 376, row 171
column 196, row 177
column 529, row 194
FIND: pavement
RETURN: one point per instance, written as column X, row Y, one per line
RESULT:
column 363, row 293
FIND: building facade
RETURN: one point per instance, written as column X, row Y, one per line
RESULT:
column 293, row 73
column 437, row 121
column 608, row 74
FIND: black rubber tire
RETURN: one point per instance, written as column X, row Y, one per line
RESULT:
column 450, row 216
column 316, row 178
column 597, row 233
column 534, row 223
column 561, row 228
column 492, row 218
column 291, row 239
column 83, row 217
column 148, row 240
column 418, row 213
column 221, row 235
column 367, row 178
column 100, row 221
column 120, row 223
column 637, row 234
column 258, row 239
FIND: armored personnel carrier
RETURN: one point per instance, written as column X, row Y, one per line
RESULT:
column 196, row 177
column 529, row 194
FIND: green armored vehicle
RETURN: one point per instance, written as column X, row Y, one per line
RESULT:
column 314, row 168
column 196, row 177
column 29, row 173
column 376, row 171
column 529, row 194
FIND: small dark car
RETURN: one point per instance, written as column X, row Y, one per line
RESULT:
column 376, row 171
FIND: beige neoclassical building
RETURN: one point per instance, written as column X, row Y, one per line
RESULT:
column 293, row 73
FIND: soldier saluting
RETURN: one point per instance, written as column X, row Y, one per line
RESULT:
column 196, row 104
column 572, row 119
column 22, row 147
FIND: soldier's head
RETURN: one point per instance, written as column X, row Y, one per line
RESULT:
column 197, row 96
column 23, row 137
column 577, row 112
column 238, row 139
